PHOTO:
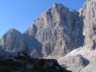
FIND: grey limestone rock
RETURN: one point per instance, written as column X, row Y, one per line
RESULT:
column 88, row 12
column 75, row 63
column 58, row 29
column 12, row 41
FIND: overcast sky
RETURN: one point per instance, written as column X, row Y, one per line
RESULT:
column 20, row 14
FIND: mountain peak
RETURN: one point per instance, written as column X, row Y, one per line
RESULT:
column 57, row 5
column 12, row 41
column 56, row 12
column 12, row 31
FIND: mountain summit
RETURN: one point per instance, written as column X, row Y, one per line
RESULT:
column 12, row 41
column 59, row 31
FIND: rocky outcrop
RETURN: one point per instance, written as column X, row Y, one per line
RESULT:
column 80, row 60
column 75, row 63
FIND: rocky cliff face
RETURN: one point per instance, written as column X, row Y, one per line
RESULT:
column 88, row 12
column 59, row 31
column 34, row 47
column 88, row 51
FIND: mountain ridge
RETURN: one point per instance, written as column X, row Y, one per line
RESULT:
column 57, row 32
column 60, row 34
